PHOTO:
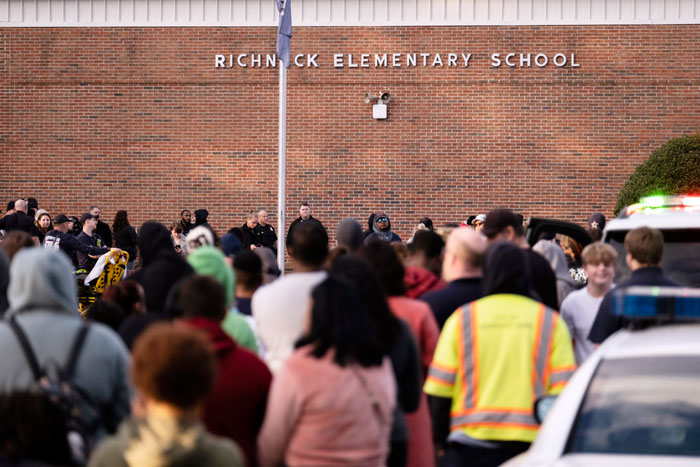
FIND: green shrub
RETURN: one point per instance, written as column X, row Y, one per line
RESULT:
column 673, row 169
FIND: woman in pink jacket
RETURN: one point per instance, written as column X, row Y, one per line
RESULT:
column 331, row 404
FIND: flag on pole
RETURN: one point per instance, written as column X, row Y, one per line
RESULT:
column 284, row 32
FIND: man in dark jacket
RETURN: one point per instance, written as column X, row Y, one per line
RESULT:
column 61, row 239
column 161, row 268
column 462, row 269
column 504, row 224
column 304, row 217
column 381, row 230
column 252, row 236
column 644, row 247
column 102, row 229
column 186, row 221
column 19, row 220
column 91, row 238
column 268, row 235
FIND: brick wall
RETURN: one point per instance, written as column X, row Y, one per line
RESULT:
column 140, row 119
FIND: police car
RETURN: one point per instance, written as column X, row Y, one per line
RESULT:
column 636, row 400
column 678, row 218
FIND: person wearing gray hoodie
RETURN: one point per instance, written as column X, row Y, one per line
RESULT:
column 43, row 301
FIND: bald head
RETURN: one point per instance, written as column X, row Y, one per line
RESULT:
column 21, row 205
column 464, row 254
column 262, row 217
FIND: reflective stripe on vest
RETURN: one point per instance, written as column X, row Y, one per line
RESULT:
column 468, row 355
column 441, row 375
column 541, row 349
column 561, row 376
column 487, row 416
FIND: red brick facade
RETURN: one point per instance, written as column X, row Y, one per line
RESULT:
column 140, row 119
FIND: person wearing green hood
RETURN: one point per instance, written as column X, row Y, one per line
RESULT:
column 209, row 261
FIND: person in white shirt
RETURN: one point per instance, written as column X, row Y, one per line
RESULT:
column 280, row 308
column 579, row 308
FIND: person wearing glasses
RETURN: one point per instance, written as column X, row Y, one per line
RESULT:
column 381, row 230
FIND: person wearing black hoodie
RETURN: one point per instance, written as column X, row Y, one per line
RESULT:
column 161, row 267
column 200, row 218
column 506, row 325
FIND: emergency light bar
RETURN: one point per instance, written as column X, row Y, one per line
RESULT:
column 657, row 304
column 689, row 202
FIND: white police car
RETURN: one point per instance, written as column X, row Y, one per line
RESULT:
column 636, row 400
column 678, row 218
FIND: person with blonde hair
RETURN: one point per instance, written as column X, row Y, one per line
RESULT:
column 580, row 307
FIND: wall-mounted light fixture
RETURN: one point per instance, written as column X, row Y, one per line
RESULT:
column 378, row 109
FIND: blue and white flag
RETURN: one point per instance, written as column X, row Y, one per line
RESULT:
column 284, row 32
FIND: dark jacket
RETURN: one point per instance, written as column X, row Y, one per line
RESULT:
column 95, row 241
column 297, row 222
column 104, row 232
column 19, row 221
column 69, row 244
column 235, row 408
column 127, row 240
column 251, row 236
column 405, row 361
column 455, row 294
column 267, row 235
column 186, row 227
column 606, row 323
column 161, row 265
column 4, row 280
column 544, row 282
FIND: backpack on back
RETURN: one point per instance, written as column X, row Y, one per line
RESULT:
column 79, row 413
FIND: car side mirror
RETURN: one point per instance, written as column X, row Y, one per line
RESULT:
column 542, row 407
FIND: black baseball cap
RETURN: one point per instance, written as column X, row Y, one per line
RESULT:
column 60, row 219
column 86, row 216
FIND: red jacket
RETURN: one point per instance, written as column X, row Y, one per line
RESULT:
column 236, row 407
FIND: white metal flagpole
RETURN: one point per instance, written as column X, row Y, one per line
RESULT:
column 284, row 34
column 282, row 167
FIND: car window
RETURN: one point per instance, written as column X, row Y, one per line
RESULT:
column 641, row 406
column 681, row 260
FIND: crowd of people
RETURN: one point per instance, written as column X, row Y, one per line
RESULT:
column 368, row 352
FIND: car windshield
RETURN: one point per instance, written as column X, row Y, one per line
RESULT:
column 681, row 260
column 641, row 406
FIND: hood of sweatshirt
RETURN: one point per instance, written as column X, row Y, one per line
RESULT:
column 506, row 270
column 209, row 261
column 200, row 216
column 41, row 279
column 154, row 241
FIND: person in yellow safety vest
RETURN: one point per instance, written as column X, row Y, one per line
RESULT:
column 494, row 358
